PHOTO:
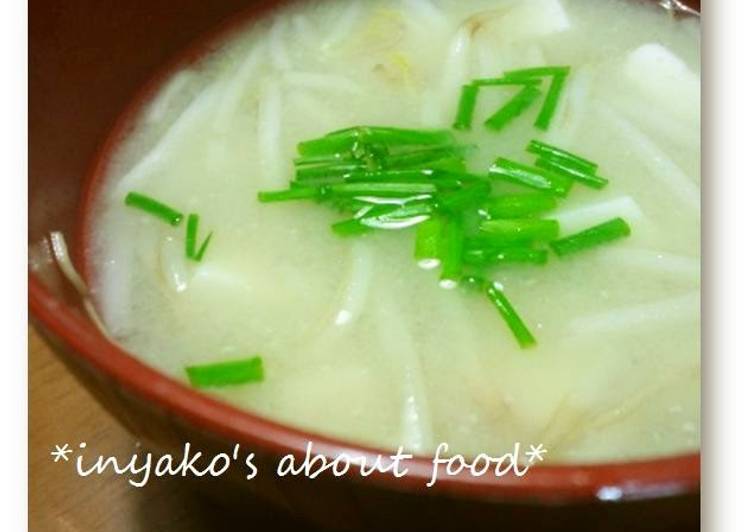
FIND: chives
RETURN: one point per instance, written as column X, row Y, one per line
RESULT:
column 485, row 256
column 495, row 294
column 550, row 103
column 530, row 176
column 465, row 197
column 391, row 179
column 589, row 238
column 345, row 139
column 518, row 205
column 554, row 165
column 417, row 158
column 521, row 230
column 566, row 158
column 289, row 195
column 231, row 372
column 428, row 243
column 383, row 189
column 467, row 102
column 451, row 248
column 525, row 74
column 494, row 82
column 190, row 239
column 396, row 217
column 309, row 172
column 530, row 79
column 401, row 175
column 153, row 207
column 334, row 158
column 514, row 107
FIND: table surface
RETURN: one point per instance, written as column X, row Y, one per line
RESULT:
column 62, row 411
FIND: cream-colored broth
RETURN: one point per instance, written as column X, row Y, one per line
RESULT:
column 357, row 341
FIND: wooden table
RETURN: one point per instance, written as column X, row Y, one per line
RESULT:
column 61, row 411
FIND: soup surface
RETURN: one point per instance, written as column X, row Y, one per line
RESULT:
column 356, row 340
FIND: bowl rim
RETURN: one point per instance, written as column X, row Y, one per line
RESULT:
column 547, row 484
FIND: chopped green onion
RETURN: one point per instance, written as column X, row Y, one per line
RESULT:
column 465, row 197
column 328, row 159
column 494, row 291
column 397, row 217
column 338, row 170
column 190, row 239
column 385, row 200
column 524, row 74
column 347, row 139
column 554, row 165
column 204, row 246
column 291, row 194
column 521, row 230
column 426, row 157
column 518, row 205
column 566, row 158
column 392, row 175
column 589, row 238
column 227, row 373
column 452, row 164
column 485, row 256
column 550, row 103
column 428, row 242
column 514, row 107
column 530, row 176
column 383, row 189
column 154, row 207
column 452, row 240
column 493, row 82
column 466, row 109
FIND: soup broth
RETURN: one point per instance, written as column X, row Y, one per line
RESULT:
column 357, row 341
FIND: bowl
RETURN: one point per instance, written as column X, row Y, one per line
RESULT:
column 87, row 64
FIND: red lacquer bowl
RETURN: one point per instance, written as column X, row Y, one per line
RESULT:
column 87, row 61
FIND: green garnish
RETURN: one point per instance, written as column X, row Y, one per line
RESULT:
column 467, row 102
column 432, row 157
column 465, row 197
column 392, row 179
column 565, row 158
column 558, row 75
column 191, row 235
column 395, row 216
column 383, row 189
column 231, row 372
column 524, row 74
column 495, row 294
column 529, row 176
column 328, row 170
column 520, row 230
column 480, row 253
column 556, row 165
column 589, row 238
column 154, row 207
column 518, row 205
column 350, row 139
column 530, row 79
column 514, row 107
column 428, row 242
column 494, row 82
column 551, row 100
column 451, row 252
column 291, row 194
